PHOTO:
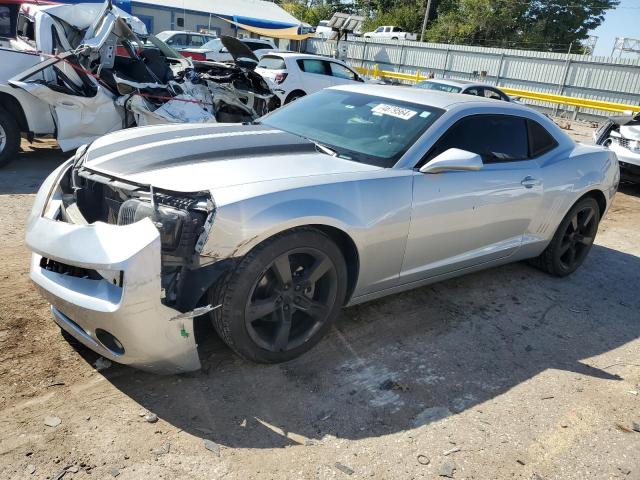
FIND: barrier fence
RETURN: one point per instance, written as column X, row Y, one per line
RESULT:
column 515, row 92
column 583, row 86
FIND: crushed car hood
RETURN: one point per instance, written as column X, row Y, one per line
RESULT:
column 631, row 132
column 195, row 157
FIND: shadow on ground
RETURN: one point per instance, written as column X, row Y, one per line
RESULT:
column 452, row 345
column 32, row 165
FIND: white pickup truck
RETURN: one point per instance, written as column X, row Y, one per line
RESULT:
column 390, row 32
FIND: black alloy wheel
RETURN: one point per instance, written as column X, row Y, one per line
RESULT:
column 573, row 239
column 282, row 296
column 292, row 300
column 578, row 237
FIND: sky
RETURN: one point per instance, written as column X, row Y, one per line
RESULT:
column 624, row 21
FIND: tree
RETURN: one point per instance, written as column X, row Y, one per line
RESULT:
column 534, row 24
column 312, row 11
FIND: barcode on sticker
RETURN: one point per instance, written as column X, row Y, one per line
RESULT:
column 394, row 111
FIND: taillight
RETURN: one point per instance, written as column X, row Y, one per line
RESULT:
column 280, row 77
column 121, row 52
column 195, row 55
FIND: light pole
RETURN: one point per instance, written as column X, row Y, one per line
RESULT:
column 426, row 19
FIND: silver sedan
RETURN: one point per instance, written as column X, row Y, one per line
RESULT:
column 269, row 229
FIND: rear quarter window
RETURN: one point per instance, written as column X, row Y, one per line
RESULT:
column 271, row 62
column 540, row 140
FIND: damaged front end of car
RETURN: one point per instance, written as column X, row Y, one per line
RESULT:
column 622, row 136
column 110, row 74
column 120, row 264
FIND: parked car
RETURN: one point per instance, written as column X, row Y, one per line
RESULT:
column 296, row 74
column 108, row 74
column 467, row 88
column 215, row 50
column 270, row 228
column 259, row 46
column 622, row 136
column 180, row 40
column 391, row 32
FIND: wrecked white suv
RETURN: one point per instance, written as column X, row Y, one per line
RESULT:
column 80, row 71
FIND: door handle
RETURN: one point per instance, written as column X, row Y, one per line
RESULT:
column 530, row 182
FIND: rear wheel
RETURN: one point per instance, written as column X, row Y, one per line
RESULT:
column 282, row 297
column 9, row 138
column 572, row 241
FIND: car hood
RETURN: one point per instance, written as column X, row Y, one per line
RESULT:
column 237, row 49
column 190, row 158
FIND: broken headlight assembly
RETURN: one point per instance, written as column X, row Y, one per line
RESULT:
column 180, row 221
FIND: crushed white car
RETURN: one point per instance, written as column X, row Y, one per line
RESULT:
column 80, row 71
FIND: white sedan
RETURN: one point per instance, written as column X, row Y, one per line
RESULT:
column 296, row 75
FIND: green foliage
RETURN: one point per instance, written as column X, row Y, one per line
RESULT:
column 533, row 24
column 311, row 12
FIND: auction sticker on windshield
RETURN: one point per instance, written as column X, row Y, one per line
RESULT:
column 394, row 111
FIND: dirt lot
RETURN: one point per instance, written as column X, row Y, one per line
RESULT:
column 503, row 374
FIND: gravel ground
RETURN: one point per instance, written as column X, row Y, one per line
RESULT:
column 507, row 373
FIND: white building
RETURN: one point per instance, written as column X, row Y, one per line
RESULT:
column 240, row 18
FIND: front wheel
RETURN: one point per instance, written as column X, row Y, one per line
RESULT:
column 9, row 138
column 572, row 241
column 294, row 96
column 282, row 297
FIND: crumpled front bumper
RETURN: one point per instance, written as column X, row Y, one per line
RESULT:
column 132, row 312
column 625, row 156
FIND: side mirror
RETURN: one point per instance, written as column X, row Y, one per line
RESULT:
column 453, row 159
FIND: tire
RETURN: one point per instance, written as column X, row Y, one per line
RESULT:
column 294, row 96
column 576, row 234
column 9, row 138
column 394, row 38
column 264, row 315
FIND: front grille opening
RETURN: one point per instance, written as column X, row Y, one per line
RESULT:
column 77, row 272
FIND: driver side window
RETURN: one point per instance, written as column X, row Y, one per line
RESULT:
column 496, row 138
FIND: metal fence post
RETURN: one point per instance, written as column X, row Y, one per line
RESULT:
column 563, row 83
column 446, row 63
column 500, row 69
column 401, row 62
column 364, row 53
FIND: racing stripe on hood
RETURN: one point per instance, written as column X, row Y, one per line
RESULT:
column 171, row 148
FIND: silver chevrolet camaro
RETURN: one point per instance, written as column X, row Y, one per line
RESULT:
column 270, row 228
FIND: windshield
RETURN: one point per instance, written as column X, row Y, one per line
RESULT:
column 356, row 126
column 271, row 62
column 163, row 36
column 441, row 87
column 213, row 44
column 166, row 50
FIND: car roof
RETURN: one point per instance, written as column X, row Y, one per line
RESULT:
column 259, row 40
column 458, row 83
column 431, row 98
column 188, row 32
column 306, row 55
